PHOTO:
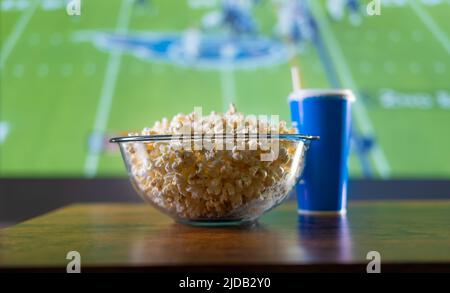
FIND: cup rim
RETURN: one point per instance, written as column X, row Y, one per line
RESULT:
column 161, row 138
column 302, row 94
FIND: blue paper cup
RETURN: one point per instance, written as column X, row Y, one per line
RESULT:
column 326, row 113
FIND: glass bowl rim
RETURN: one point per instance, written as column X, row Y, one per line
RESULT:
column 169, row 137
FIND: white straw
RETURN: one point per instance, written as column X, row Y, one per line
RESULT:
column 295, row 76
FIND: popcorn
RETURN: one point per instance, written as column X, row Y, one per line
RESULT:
column 214, row 183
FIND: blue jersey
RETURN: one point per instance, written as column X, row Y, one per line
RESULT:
column 237, row 18
column 353, row 5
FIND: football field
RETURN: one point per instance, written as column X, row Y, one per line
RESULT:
column 65, row 89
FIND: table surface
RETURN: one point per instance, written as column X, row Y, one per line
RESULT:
column 408, row 234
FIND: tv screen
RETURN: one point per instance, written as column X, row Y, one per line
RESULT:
column 75, row 73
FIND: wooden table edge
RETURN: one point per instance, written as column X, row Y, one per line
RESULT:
column 428, row 267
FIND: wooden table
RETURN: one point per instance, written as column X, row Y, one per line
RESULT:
column 409, row 235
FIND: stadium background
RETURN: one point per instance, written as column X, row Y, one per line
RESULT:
column 62, row 95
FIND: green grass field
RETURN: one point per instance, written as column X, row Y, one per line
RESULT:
column 56, row 90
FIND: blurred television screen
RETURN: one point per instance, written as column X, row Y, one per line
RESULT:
column 75, row 73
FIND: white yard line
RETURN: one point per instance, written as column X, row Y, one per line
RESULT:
column 228, row 87
column 429, row 22
column 105, row 102
column 360, row 113
column 20, row 26
column 4, row 131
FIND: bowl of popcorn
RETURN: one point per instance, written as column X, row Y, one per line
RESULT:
column 218, row 169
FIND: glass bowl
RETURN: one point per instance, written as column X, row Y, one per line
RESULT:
column 197, row 182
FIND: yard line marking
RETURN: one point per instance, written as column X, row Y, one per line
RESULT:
column 429, row 22
column 228, row 87
column 105, row 102
column 4, row 131
column 360, row 112
column 17, row 32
